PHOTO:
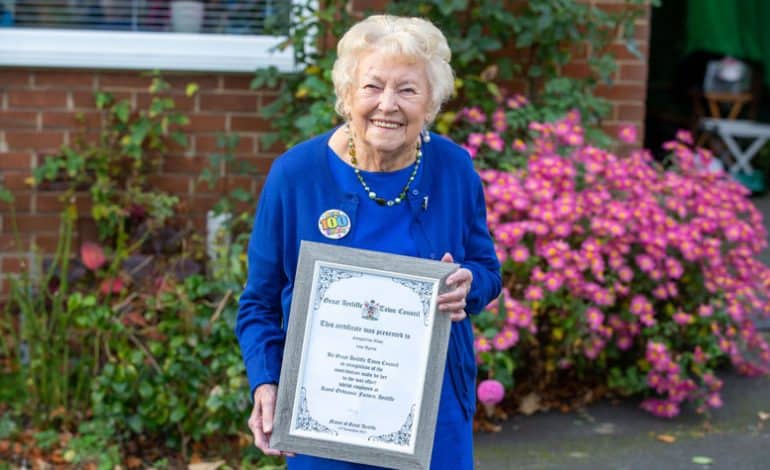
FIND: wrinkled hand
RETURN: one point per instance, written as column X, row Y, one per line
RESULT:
column 453, row 302
column 261, row 419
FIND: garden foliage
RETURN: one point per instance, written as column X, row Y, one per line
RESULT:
column 129, row 336
column 494, row 44
column 618, row 271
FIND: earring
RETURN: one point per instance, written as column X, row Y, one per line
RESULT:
column 425, row 134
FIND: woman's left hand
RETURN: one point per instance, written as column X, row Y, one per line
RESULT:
column 453, row 302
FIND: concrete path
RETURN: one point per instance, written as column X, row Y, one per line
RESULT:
column 622, row 436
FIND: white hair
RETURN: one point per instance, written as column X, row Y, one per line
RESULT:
column 413, row 38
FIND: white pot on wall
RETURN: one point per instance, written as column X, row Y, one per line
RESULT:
column 187, row 16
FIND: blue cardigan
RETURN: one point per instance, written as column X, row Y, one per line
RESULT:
column 448, row 215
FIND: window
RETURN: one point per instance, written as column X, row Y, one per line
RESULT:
column 195, row 35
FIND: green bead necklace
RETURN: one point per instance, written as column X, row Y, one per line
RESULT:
column 372, row 194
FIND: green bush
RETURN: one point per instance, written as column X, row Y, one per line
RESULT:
column 130, row 336
column 529, row 42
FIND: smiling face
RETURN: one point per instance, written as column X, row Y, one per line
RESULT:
column 388, row 107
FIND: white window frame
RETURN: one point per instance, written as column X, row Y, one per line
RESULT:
column 21, row 47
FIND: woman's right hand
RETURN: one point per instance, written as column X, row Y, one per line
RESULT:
column 261, row 419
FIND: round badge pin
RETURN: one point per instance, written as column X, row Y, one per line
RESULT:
column 334, row 224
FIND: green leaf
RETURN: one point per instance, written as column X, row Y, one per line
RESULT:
column 178, row 413
column 191, row 89
column 6, row 195
column 700, row 460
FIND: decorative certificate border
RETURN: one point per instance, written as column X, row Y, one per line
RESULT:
column 407, row 445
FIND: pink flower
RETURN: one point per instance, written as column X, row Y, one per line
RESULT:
column 682, row 318
column 684, row 136
column 111, row 286
column 533, row 293
column 92, row 255
column 490, row 392
column 494, row 141
column 475, row 139
column 520, row 254
column 519, row 145
column 506, row 339
column 475, row 115
column 627, row 133
column 499, row 121
column 595, row 318
column 482, row 344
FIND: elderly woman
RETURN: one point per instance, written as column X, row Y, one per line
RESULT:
column 403, row 190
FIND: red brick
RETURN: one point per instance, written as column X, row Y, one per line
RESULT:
column 45, row 99
column 260, row 165
column 110, row 80
column 204, row 82
column 249, row 123
column 623, row 92
column 642, row 32
column 207, row 123
column 48, row 202
column 15, row 161
column 64, row 79
column 181, row 164
column 176, row 184
column 630, row 112
column 37, row 223
column 632, row 72
column 71, row 120
column 231, row 182
column 577, row 70
column 621, row 52
column 181, row 102
column 205, row 144
column 12, row 264
column 21, row 202
column 8, row 242
column 47, row 243
column 16, row 181
column 40, row 140
column 14, row 78
column 236, row 102
column 237, row 82
column 364, row 5
column 85, row 99
column 18, row 120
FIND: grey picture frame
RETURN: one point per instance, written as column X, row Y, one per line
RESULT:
column 310, row 253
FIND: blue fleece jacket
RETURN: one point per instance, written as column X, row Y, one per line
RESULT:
column 448, row 215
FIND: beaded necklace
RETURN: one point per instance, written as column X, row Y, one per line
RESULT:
column 372, row 194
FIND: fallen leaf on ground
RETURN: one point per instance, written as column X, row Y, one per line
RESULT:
column 700, row 460
column 667, row 438
column 206, row 465
column 763, row 416
column 530, row 404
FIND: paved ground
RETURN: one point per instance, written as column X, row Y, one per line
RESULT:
column 621, row 436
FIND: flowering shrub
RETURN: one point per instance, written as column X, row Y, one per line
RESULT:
column 619, row 272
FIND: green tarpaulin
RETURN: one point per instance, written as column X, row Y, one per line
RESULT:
column 738, row 28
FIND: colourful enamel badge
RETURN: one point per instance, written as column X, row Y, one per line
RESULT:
column 334, row 224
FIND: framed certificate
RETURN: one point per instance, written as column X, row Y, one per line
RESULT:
column 364, row 357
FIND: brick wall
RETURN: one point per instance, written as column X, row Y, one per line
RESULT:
column 40, row 110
